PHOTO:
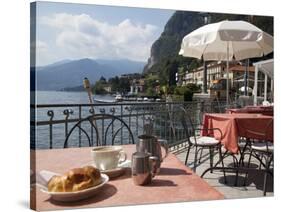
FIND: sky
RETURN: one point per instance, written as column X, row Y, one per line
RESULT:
column 75, row 31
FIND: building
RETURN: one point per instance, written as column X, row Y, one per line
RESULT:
column 216, row 71
column 137, row 85
column 238, row 76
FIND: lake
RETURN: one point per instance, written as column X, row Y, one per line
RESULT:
column 60, row 97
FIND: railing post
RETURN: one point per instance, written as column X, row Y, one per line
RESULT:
column 112, row 110
column 143, row 117
column 92, row 112
column 130, row 112
column 80, row 117
column 200, row 111
column 67, row 113
column 51, row 114
column 121, row 114
column 137, row 122
column 102, row 111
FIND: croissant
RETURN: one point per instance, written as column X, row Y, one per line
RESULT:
column 75, row 180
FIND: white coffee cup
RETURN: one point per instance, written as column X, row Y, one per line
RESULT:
column 108, row 157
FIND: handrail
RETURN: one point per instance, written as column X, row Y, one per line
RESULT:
column 133, row 113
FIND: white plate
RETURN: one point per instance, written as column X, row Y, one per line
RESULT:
column 76, row 195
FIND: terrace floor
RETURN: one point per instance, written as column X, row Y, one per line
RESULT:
column 254, row 185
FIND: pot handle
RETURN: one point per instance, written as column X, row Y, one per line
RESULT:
column 153, row 165
column 164, row 144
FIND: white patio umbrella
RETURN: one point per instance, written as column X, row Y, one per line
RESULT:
column 226, row 40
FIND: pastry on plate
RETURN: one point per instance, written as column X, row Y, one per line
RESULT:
column 75, row 180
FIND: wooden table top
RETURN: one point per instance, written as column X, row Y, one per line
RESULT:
column 175, row 182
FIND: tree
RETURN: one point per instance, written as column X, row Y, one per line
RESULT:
column 98, row 88
column 150, row 92
column 124, row 85
column 114, row 83
column 102, row 79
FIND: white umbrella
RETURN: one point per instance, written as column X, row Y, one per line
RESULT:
column 226, row 40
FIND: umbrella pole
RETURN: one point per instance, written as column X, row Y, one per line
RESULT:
column 227, row 73
column 87, row 87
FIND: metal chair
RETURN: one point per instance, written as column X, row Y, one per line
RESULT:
column 209, row 107
column 261, row 149
column 197, row 141
column 106, row 128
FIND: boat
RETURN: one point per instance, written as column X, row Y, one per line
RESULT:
column 105, row 100
column 118, row 98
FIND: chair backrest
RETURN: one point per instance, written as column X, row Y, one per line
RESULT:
column 106, row 128
column 187, row 123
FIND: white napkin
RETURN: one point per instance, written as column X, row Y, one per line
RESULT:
column 43, row 177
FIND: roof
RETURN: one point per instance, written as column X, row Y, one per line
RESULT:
column 266, row 66
column 241, row 68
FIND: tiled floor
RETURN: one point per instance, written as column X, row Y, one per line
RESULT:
column 254, row 185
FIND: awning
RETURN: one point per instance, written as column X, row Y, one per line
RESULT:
column 266, row 67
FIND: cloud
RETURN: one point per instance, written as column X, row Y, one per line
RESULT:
column 38, row 49
column 41, row 46
column 83, row 36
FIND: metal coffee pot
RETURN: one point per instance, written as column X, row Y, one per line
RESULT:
column 150, row 144
column 143, row 168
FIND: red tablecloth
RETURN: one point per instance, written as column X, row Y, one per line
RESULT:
column 175, row 182
column 231, row 126
column 265, row 110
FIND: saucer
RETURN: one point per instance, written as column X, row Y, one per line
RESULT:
column 118, row 171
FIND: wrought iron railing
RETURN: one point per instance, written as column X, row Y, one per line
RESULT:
column 50, row 123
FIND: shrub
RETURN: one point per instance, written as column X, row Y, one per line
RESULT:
column 188, row 94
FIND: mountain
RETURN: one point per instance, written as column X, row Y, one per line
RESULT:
column 123, row 66
column 70, row 73
column 165, row 49
column 38, row 68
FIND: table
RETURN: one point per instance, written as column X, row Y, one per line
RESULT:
column 175, row 182
column 231, row 126
column 265, row 110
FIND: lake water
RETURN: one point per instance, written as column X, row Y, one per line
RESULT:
column 60, row 97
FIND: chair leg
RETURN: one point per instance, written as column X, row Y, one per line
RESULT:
column 235, row 164
column 264, row 183
column 187, row 154
column 195, row 159
column 248, row 165
column 268, row 162
column 199, row 161
column 211, row 150
column 221, row 158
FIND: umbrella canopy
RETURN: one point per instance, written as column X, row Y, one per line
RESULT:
column 211, row 41
column 225, row 41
